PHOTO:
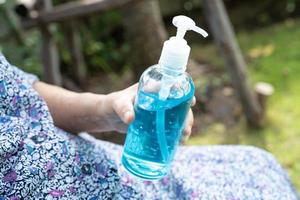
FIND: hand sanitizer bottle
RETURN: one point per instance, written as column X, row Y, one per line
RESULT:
column 161, row 106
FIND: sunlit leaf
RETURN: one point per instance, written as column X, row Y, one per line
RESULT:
column 261, row 51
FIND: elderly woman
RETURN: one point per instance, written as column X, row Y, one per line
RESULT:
column 40, row 159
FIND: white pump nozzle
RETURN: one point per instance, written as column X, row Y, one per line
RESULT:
column 175, row 52
column 184, row 24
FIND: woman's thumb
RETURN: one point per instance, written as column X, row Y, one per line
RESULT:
column 124, row 109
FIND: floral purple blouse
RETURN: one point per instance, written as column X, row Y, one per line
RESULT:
column 41, row 161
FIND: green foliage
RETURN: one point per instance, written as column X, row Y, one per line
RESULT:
column 26, row 57
column 280, row 67
column 102, row 43
column 256, row 13
column 22, row 52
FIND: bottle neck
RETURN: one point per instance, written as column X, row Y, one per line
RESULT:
column 170, row 71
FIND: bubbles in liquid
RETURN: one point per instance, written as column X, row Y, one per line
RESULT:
column 142, row 155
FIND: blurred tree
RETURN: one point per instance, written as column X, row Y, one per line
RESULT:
column 10, row 21
column 74, row 46
column 145, row 33
column 50, row 57
column 224, row 37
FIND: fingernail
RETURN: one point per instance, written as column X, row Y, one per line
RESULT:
column 127, row 116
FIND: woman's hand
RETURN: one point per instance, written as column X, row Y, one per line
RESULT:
column 121, row 108
column 78, row 112
column 122, row 113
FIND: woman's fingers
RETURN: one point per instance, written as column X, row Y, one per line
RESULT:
column 124, row 109
column 188, row 128
column 189, row 124
column 193, row 101
column 123, row 103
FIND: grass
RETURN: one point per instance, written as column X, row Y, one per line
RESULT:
column 273, row 56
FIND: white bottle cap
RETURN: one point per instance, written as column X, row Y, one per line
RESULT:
column 175, row 52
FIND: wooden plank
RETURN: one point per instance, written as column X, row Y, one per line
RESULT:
column 73, row 10
column 72, row 36
column 224, row 37
column 50, row 59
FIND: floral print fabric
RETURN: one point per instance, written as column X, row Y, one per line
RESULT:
column 41, row 161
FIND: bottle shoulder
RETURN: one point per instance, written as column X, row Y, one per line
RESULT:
column 155, row 80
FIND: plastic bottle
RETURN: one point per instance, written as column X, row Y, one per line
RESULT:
column 161, row 106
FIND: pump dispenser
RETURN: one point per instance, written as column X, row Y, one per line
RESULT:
column 161, row 106
column 175, row 52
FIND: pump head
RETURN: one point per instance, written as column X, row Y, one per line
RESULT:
column 175, row 51
column 184, row 24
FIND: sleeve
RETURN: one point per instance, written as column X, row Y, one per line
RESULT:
column 9, row 71
column 13, row 130
column 29, row 78
column 17, row 96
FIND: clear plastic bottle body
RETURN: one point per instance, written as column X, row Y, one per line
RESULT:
column 154, row 135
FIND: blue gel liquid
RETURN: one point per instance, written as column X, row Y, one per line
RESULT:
column 157, row 124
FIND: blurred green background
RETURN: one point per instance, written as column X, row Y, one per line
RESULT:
column 268, row 33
